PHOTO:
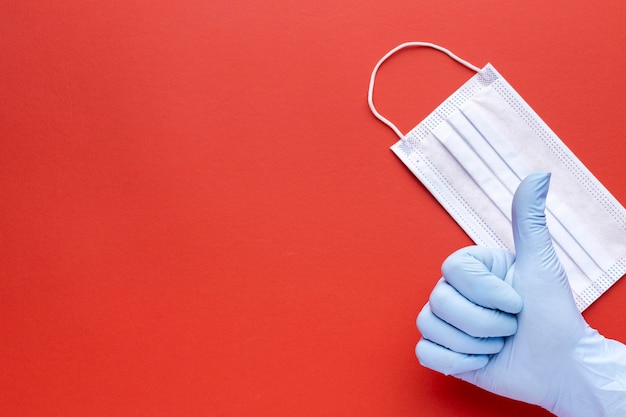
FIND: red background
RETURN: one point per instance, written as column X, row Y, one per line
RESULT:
column 200, row 216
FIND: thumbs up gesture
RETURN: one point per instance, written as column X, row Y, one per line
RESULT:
column 508, row 323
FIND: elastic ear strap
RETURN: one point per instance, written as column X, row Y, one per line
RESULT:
column 370, row 93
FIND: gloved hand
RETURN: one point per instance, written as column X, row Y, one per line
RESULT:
column 508, row 323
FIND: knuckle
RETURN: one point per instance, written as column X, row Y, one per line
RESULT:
column 422, row 317
column 437, row 296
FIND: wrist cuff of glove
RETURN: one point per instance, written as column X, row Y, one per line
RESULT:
column 596, row 383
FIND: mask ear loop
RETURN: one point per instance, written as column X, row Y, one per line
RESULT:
column 370, row 92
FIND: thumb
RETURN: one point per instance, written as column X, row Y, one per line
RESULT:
column 538, row 275
column 534, row 252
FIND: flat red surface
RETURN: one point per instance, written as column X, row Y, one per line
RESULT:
column 199, row 216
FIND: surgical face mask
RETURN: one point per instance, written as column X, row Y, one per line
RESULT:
column 474, row 149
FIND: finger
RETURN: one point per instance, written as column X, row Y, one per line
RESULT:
column 442, row 333
column 450, row 306
column 440, row 359
column 478, row 274
column 539, row 275
column 533, row 243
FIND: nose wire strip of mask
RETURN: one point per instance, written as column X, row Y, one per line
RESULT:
column 466, row 144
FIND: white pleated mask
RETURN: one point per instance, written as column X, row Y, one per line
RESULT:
column 474, row 149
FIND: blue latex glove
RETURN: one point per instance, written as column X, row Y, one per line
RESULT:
column 508, row 323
